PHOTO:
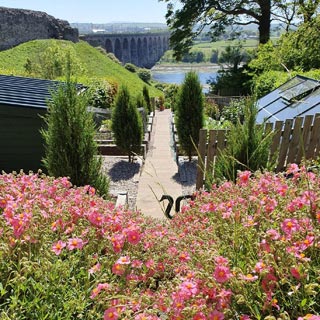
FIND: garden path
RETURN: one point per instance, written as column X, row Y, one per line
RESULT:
column 159, row 174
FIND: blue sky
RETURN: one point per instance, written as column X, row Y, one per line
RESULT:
column 96, row 11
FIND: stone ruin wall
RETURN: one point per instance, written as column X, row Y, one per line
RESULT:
column 19, row 25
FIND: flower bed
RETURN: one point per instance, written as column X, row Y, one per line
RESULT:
column 248, row 250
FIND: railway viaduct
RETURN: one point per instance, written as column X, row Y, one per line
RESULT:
column 142, row 49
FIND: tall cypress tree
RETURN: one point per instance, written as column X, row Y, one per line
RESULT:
column 189, row 113
column 70, row 148
column 126, row 124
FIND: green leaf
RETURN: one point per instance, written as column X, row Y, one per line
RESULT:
column 303, row 302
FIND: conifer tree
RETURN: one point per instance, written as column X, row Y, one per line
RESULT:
column 146, row 96
column 189, row 113
column 126, row 124
column 70, row 148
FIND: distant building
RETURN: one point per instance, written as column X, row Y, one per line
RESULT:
column 298, row 97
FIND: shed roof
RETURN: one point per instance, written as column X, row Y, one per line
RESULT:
column 298, row 97
column 26, row 92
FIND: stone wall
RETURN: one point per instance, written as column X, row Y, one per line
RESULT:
column 19, row 25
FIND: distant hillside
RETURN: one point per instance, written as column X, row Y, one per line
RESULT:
column 95, row 63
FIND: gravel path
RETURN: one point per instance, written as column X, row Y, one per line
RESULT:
column 124, row 176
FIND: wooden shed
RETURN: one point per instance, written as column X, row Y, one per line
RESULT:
column 23, row 101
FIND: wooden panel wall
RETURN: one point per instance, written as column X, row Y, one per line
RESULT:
column 293, row 140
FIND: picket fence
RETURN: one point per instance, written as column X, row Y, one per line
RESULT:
column 293, row 140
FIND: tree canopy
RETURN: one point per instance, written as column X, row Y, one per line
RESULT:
column 187, row 18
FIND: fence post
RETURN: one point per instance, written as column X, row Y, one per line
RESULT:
column 201, row 158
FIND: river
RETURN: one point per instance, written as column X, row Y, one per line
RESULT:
column 175, row 73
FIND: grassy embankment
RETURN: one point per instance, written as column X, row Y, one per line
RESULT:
column 96, row 64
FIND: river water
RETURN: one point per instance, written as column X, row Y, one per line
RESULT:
column 176, row 73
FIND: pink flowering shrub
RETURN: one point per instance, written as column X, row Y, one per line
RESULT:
column 249, row 250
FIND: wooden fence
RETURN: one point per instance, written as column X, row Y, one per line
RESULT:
column 293, row 140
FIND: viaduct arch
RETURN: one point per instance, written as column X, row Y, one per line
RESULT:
column 143, row 49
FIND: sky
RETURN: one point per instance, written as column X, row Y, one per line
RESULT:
column 96, row 11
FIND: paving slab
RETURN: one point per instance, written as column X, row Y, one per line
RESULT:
column 159, row 174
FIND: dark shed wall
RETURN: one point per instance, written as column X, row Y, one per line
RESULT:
column 21, row 144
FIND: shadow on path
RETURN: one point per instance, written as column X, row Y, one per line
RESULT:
column 123, row 170
column 187, row 174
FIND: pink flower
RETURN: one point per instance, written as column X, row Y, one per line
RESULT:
column 97, row 290
column 269, row 282
column 136, row 264
column 58, row 246
column 216, row 315
column 123, row 260
column 309, row 317
column 295, row 273
column 111, row 314
column 289, row 226
column 249, row 222
column 173, row 250
column 243, row 177
column 260, row 267
column 95, row 268
column 133, row 236
column 118, row 269
column 199, row 316
column 75, row 243
column 177, row 302
column 249, row 277
column 188, row 289
column 221, row 260
column 117, row 242
column 150, row 263
column 222, row 274
column 273, row 234
column 184, row 257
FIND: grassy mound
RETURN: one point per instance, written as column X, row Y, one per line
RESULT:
column 95, row 63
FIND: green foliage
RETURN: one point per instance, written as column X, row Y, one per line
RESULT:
column 188, row 20
column 247, row 148
column 269, row 81
column 234, row 112
column 70, row 148
column 266, row 59
column 126, row 123
column 214, row 56
column 131, row 67
column 189, row 113
column 101, row 94
column 193, row 57
column 231, row 83
column 211, row 109
column 52, row 62
column 112, row 57
column 146, row 96
column 233, row 56
column 232, row 79
column 170, row 95
column 144, row 75
column 141, row 105
column 301, row 48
